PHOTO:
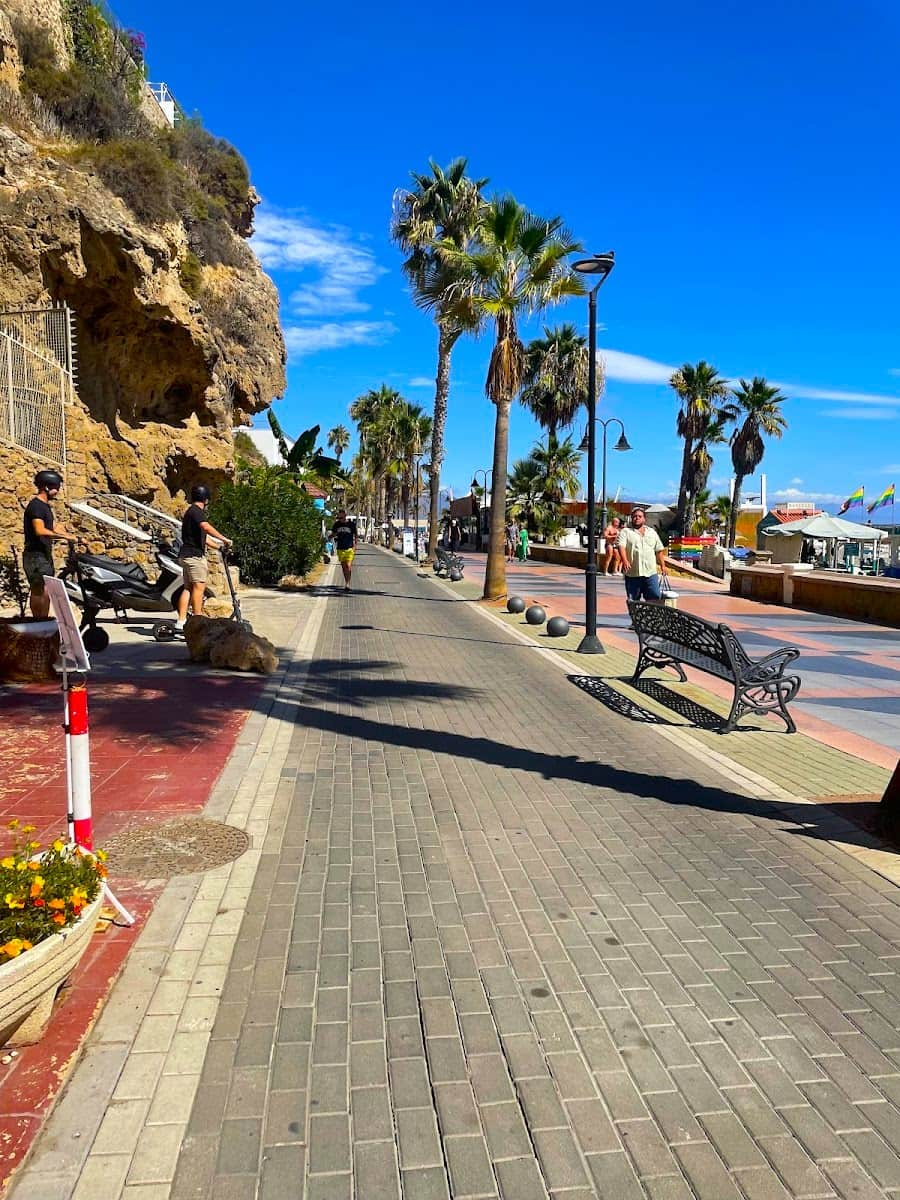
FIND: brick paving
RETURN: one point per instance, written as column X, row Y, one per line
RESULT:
column 499, row 941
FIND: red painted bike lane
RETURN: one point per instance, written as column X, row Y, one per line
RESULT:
column 158, row 745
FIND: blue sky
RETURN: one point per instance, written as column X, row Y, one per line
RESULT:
column 741, row 161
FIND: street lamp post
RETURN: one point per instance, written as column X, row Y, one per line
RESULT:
column 474, row 485
column 418, row 467
column 600, row 265
column 621, row 444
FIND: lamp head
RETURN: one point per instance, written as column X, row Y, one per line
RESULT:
column 585, row 442
column 597, row 264
column 622, row 443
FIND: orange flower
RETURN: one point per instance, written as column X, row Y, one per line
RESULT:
column 59, row 918
column 34, row 865
column 57, row 904
column 13, row 948
column 37, row 886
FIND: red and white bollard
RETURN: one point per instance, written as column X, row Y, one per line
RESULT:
column 81, row 826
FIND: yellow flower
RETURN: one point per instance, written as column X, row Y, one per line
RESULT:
column 7, row 862
column 37, row 886
column 28, row 828
column 13, row 948
column 34, row 845
column 58, row 846
column 14, row 901
column 14, row 823
column 101, row 854
column 20, row 866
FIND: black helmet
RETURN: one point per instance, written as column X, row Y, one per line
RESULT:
column 199, row 492
column 46, row 481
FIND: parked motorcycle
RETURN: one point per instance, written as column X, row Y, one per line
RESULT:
column 96, row 582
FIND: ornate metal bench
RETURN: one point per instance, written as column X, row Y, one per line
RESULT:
column 446, row 561
column 669, row 638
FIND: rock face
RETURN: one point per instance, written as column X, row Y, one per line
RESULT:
column 226, row 644
column 164, row 374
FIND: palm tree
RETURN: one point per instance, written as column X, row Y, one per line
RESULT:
column 413, row 433
column 760, row 405
column 375, row 415
column 525, row 491
column 713, row 433
column 700, row 389
column 555, row 383
column 442, row 207
column 515, row 266
column 559, row 463
column 339, row 439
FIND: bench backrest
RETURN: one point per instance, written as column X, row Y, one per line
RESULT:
column 717, row 642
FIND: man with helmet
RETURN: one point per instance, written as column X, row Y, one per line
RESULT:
column 192, row 556
column 40, row 534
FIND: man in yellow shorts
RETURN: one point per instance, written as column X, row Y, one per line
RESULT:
column 343, row 534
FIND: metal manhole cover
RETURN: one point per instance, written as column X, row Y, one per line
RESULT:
column 180, row 847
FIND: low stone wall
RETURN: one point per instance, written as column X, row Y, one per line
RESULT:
column 859, row 597
column 573, row 556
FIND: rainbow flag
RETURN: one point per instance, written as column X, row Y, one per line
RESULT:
column 886, row 497
column 853, row 499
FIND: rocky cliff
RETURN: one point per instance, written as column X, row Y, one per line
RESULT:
column 174, row 350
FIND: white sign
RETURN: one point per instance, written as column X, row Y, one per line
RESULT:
column 409, row 549
column 71, row 647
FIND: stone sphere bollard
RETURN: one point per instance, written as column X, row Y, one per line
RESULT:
column 515, row 604
column 557, row 627
column 535, row 615
column 455, row 575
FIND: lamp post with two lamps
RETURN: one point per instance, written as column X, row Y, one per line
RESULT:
column 600, row 265
column 485, row 493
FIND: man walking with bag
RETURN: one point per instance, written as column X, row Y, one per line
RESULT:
column 643, row 558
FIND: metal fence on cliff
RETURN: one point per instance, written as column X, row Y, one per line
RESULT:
column 34, row 392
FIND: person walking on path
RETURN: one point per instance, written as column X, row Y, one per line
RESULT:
column 612, row 566
column 455, row 536
column 522, row 552
column 512, row 534
column 643, row 558
column 40, row 534
column 343, row 534
column 192, row 555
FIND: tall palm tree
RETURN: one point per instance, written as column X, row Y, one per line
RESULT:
column 339, row 439
column 375, row 415
column 713, row 432
column 700, row 389
column 525, row 491
column 555, row 382
column 442, row 206
column 760, row 405
column 413, row 433
column 559, row 463
column 515, row 266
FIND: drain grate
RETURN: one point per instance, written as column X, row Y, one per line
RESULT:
column 180, row 847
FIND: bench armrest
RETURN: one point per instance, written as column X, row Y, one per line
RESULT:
column 771, row 666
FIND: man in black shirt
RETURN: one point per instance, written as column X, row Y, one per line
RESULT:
column 40, row 534
column 343, row 533
column 192, row 555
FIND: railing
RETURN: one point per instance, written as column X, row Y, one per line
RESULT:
column 166, row 101
column 34, row 391
column 50, row 331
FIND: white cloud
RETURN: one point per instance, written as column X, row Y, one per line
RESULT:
column 793, row 494
column 310, row 339
column 421, row 381
column 340, row 266
column 860, row 414
column 796, row 482
column 633, row 368
column 889, row 469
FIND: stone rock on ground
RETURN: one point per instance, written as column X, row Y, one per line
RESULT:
column 223, row 643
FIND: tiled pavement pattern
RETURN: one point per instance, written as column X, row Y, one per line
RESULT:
column 477, row 963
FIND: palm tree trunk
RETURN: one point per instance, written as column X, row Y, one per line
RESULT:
column 446, row 341
column 681, row 514
column 495, row 570
column 735, row 509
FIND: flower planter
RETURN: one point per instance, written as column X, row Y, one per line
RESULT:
column 29, row 983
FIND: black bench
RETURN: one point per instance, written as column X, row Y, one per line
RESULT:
column 669, row 638
column 446, row 561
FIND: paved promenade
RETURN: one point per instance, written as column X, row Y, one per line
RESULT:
column 492, row 939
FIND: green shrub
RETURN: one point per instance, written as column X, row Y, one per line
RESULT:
column 190, row 272
column 35, row 47
column 140, row 174
column 219, row 173
column 87, row 103
column 275, row 527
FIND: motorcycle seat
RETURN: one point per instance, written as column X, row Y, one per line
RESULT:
column 122, row 569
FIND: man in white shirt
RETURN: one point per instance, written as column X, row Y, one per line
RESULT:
column 643, row 559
